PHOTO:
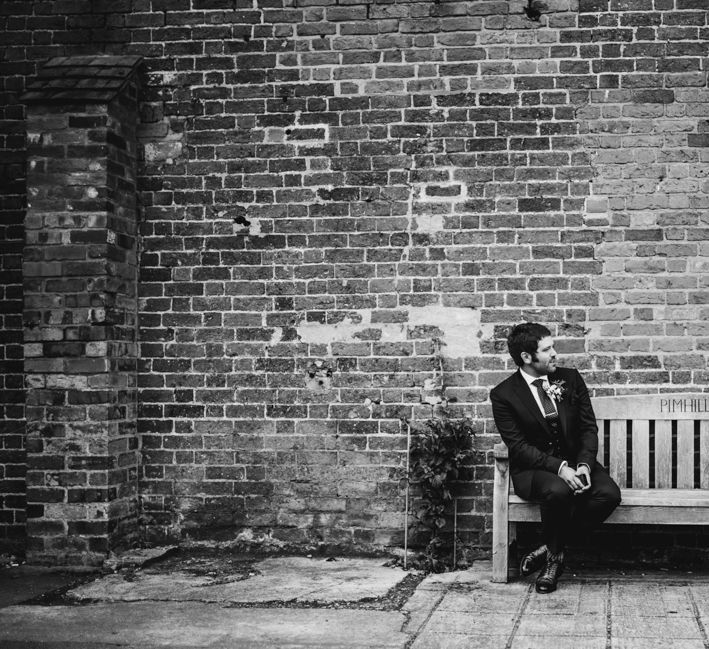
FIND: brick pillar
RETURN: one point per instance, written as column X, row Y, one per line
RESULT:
column 80, row 310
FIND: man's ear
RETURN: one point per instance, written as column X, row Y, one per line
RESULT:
column 526, row 358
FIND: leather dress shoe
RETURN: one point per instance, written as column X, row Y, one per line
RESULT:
column 533, row 561
column 549, row 576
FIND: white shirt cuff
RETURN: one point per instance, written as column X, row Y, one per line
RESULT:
column 563, row 464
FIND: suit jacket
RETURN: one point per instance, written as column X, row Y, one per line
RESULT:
column 528, row 436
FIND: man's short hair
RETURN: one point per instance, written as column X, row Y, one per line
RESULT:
column 525, row 337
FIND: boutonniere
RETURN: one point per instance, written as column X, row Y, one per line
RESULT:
column 556, row 390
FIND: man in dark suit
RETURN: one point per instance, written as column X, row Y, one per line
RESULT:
column 544, row 415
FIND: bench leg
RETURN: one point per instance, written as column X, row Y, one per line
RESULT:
column 500, row 553
column 500, row 524
column 504, row 562
column 512, row 554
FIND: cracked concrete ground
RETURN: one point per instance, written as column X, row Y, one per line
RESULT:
column 282, row 579
column 212, row 602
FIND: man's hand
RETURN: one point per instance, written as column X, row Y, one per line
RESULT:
column 571, row 478
column 583, row 473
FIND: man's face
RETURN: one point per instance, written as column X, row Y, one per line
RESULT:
column 544, row 361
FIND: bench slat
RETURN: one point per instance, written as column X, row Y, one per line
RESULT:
column 647, row 498
column 704, row 454
column 626, row 514
column 601, row 441
column 618, row 451
column 653, row 406
column 685, row 454
column 656, row 506
column 661, row 515
column 663, row 454
column 641, row 454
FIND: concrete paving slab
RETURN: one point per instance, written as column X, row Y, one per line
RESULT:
column 485, row 598
column 459, row 641
column 563, row 626
column 21, row 583
column 656, row 643
column 196, row 625
column 495, row 624
column 655, row 627
column 699, row 594
column 574, row 598
column 554, row 642
column 651, row 599
column 280, row 579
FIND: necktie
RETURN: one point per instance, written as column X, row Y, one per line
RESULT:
column 549, row 410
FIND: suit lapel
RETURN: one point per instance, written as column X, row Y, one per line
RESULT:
column 527, row 400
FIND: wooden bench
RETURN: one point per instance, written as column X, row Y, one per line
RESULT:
column 656, row 447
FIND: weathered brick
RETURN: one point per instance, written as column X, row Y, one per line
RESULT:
column 538, row 204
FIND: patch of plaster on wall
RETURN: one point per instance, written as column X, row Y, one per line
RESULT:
column 461, row 329
column 429, row 223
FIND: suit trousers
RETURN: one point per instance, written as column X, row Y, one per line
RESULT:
column 564, row 513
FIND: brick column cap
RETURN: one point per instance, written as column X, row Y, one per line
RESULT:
column 86, row 79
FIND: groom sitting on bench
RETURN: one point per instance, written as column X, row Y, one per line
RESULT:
column 544, row 414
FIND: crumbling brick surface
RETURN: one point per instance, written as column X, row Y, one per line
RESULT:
column 345, row 204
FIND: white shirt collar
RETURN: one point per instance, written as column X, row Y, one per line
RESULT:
column 529, row 378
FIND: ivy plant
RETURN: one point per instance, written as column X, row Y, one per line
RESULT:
column 439, row 448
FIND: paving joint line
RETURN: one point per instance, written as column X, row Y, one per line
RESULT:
column 518, row 617
column 609, row 615
column 422, row 626
column 697, row 617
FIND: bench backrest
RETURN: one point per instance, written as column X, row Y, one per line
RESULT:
column 656, row 441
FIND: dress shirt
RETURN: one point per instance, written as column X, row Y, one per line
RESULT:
column 535, row 393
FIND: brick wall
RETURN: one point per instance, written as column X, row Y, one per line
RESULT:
column 345, row 202
column 12, row 202
column 12, row 425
